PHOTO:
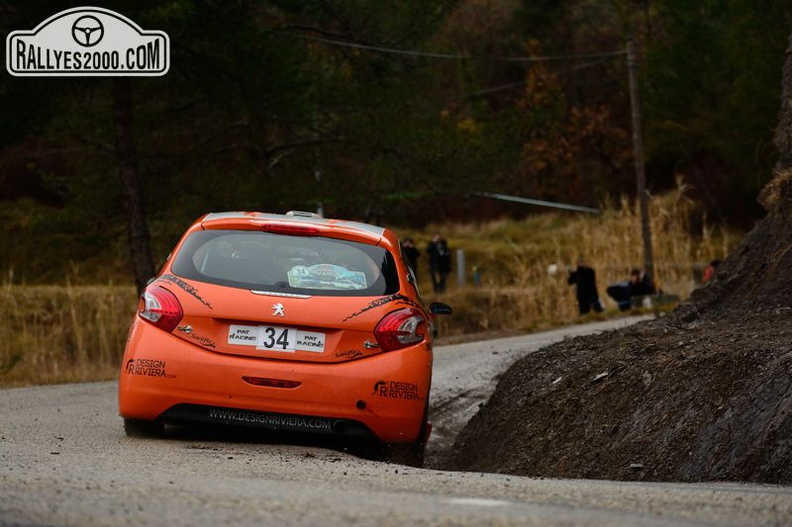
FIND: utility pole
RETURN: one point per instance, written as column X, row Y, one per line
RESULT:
column 640, row 176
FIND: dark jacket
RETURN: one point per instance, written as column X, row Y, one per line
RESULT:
column 644, row 286
column 586, row 280
column 412, row 254
column 439, row 257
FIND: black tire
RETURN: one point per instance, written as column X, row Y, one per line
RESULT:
column 141, row 428
column 410, row 454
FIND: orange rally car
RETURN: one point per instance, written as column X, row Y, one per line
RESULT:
column 284, row 322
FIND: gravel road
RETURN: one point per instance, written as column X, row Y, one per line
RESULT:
column 64, row 460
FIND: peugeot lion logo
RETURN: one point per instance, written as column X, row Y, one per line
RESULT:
column 277, row 310
column 87, row 31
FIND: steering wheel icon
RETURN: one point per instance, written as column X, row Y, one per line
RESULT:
column 87, row 31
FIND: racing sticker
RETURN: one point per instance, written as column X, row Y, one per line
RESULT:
column 396, row 390
column 310, row 341
column 189, row 289
column 326, row 276
column 348, row 354
column 203, row 341
column 381, row 302
column 147, row 368
column 243, row 335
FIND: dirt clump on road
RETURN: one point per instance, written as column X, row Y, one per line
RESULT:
column 702, row 394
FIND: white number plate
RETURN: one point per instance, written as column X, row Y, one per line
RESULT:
column 276, row 338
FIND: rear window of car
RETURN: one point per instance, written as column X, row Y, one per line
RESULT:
column 309, row 265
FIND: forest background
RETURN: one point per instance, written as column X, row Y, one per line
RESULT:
column 395, row 112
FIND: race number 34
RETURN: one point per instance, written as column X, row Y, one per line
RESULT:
column 275, row 338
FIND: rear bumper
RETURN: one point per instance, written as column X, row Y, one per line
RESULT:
column 267, row 420
column 163, row 376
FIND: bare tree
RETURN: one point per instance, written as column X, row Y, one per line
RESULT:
column 137, row 229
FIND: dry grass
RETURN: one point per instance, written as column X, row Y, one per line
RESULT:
column 513, row 258
column 51, row 334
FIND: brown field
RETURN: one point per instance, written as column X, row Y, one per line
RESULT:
column 519, row 293
column 53, row 334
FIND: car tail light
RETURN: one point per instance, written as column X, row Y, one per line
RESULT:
column 161, row 308
column 290, row 229
column 399, row 329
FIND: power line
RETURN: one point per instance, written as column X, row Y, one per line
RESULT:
column 539, row 202
column 448, row 56
column 513, row 85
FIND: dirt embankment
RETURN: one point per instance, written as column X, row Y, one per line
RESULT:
column 702, row 394
column 659, row 401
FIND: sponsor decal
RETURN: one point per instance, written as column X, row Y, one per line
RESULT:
column 203, row 341
column 385, row 300
column 293, row 422
column 396, row 390
column 348, row 354
column 243, row 335
column 310, row 341
column 87, row 41
column 147, row 368
column 187, row 288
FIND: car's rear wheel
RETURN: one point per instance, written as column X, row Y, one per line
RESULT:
column 410, row 454
column 142, row 428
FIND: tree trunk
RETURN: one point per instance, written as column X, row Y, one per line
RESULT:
column 137, row 229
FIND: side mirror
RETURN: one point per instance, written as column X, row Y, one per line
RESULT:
column 439, row 308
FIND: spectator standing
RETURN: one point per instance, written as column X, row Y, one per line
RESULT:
column 411, row 253
column 585, row 280
column 439, row 262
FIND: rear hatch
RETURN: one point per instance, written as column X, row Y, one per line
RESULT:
column 282, row 296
